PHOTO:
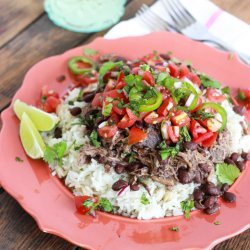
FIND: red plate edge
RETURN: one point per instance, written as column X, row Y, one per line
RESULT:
column 183, row 48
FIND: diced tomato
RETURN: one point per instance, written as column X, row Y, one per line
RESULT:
column 120, row 85
column 210, row 141
column 113, row 94
column 183, row 70
column 135, row 70
column 119, row 111
column 165, row 92
column 203, row 137
column 196, row 129
column 110, row 85
column 142, row 116
column 131, row 115
column 194, row 78
column 120, row 77
column 174, row 69
column 83, row 80
column 114, row 118
column 147, row 76
column 214, row 95
column 97, row 101
column 166, row 106
column 125, row 122
column 136, row 135
column 152, row 59
column 198, row 105
column 213, row 124
column 164, row 129
column 174, row 133
column 49, row 100
column 79, row 203
column 153, row 118
column 107, row 131
column 180, row 118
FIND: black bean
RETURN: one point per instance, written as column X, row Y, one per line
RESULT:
column 241, row 165
column 88, row 97
column 119, row 185
column 211, row 189
column 246, row 156
column 229, row 197
column 239, row 110
column 75, row 111
column 166, row 57
column 224, row 187
column 61, row 78
column 205, row 167
column 198, row 194
column 198, row 205
column 229, row 161
column 190, row 145
column 213, row 209
column 58, row 133
column 134, row 187
column 131, row 167
column 184, row 176
column 119, row 168
column 209, row 201
column 234, row 157
column 198, row 177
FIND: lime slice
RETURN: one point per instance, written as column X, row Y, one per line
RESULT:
column 31, row 139
column 42, row 120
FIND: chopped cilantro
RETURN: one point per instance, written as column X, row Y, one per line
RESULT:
column 105, row 205
column 54, row 154
column 186, row 207
column 144, row 200
column 225, row 90
column 241, row 95
column 43, row 98
column 184, row 134
column 217, row 223
column 109, row 99
column 162, row 145
column 94, row 139
column 169, row 151
column 145, row 67
column 88, row 203
column 71, row 102
column 175, row 229
column 227, row 173
column 89, row 51
column 18, row 159
column 78, row 147
column 161, row 77
column 106, row 110
column 204, row 115
column 209, row 82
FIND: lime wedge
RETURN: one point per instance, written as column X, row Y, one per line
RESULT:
column 31, row 139
column 42, row 120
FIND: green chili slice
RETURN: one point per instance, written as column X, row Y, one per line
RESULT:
column 74, row 67
column 219, row 109
column 152, row 103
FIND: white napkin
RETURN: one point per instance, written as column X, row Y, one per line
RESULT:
column 220, row 23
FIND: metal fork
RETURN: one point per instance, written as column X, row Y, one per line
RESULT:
column 152, row 20
column 186, row 24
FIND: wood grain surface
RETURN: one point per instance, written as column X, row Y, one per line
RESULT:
column 26, row 37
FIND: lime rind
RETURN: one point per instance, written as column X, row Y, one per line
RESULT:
column 31, row 139
column 84, row 16
column 43, row 121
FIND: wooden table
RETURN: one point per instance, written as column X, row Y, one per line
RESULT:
column 27, row 36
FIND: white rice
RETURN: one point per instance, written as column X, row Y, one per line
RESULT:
column 91, row 179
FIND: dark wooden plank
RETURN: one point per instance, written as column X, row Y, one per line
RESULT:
column 19, row 230
column 16, row 15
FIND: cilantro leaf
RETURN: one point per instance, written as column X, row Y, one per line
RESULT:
column 144, row 200
column 107, row 109
column 217, row 223
column 145, row 67
column 225, row 90
column 106, row 67
column 105, row 205
column 18, row 159
column 89, row 51
column 94, row 139
column 54, row 154
column 227, row 173
column 184, row 134
column 169, row 151
column 209, row 82
column 88, row 203
column 241, row 95
column 175, row 229
column 186, row 207
column 204, row 115
column 161, row 77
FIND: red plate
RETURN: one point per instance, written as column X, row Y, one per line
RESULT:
column 52, row 204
